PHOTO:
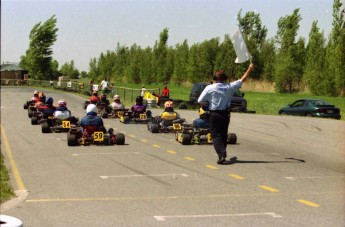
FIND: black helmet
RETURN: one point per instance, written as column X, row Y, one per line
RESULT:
column 49, row 100
column 139, row 100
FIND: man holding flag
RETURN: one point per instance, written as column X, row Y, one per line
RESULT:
column 218, row 96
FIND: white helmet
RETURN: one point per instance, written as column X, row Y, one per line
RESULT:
column 116, row 97
column 91, row 108
column 62, row 102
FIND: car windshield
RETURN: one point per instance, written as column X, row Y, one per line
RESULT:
column 319, row 103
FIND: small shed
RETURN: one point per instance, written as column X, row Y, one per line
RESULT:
column 13, row 72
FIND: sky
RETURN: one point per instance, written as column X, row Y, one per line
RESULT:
column 89, row 27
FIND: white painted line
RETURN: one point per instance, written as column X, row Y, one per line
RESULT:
column 316, row 177
column 272, row 214
column 113, row 153
column 149, row 175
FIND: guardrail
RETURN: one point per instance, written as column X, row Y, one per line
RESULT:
column 126, row 94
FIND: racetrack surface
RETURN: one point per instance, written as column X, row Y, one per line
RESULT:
column 290, row 172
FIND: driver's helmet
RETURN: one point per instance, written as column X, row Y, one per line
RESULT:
column 35, row 93
column 95, row 93
column 139, row 100
column 91, row 108
column 116, row 97
column 49, row 100
column 62, row 102
column 103, row 97
column 168, row 104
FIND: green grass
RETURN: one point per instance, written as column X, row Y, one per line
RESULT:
column 6, row 190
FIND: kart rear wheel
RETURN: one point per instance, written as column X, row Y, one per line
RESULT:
column 45, row 127
column 186, row 139
column 26, row 106
column 72, row 139
column 154, row 128
column 120, row 139
column 34, row 120
column 104, row 115
column 126, row 119
column 232, row 138
column 30, row 113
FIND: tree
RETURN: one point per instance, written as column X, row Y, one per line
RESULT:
column 160, row 52
column 180, row 62
column 38, row 58
column 287, row 66
column 69, row 70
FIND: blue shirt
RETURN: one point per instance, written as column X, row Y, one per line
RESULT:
column 219, row 94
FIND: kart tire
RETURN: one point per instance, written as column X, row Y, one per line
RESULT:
column 104, row 115
column 26, row 106
column 45, row 127
column 72, row 139
column 126, row 119
column 120, row 139
column 107, row 141
column 34, row 120
column 30, row 113
column 232, row 138
column 186, row 139
column 154, row 128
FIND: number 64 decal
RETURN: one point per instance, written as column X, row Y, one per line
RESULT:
column 98, row 136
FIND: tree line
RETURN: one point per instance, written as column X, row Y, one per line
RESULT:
column 284, row 60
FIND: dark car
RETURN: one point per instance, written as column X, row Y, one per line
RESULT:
column 311, row 108
column 238, row 102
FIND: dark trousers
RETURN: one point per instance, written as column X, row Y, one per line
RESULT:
column 219, row 123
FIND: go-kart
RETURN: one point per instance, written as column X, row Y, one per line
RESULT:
column 133, row 117
column 37, row 115
column 103, row 109
column 52, row 124
column 187, row 135
column 28, row 104
column 158, row 125
column 117, row 113
column 85, row 104
column 93, row 135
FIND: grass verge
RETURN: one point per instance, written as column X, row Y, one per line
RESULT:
column 6, row 190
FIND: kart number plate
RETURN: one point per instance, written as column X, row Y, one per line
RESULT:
column 66, row 124
column 177, row 126
column 143, row 116
column 98, row 136
column 120, row 113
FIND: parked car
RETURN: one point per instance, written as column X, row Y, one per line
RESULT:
column 311, row 108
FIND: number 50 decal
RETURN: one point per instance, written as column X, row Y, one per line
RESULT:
column 98, row 136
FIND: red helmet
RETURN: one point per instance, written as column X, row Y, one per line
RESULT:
column 168, row 104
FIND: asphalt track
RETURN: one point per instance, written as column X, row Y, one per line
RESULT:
column 290, row 172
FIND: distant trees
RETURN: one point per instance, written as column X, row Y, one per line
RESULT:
column 69, row 70
column 38, row 58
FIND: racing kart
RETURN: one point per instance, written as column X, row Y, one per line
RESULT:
column 52, row 124
column 133, row 117
column 28, row 104
column 187, row 135
column 103, row 109
column 93, row 135
column 158, row 125
column 37, row 115
column 117, row 113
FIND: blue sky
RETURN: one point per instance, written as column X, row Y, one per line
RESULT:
column 89, row 27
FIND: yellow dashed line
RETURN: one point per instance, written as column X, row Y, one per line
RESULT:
column 211, row 167
column 236, row 176
column 142, row 140
column 156, row 145
column 269, row 188
column 171, row 152
column 133, row 136
column 189, row 158
column 308, row 203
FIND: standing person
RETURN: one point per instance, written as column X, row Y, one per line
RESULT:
column 104, row 84
column 165, row 92
column 91, row 86
column 142, row 91
column 219, row 95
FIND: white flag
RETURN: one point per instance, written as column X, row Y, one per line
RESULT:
column 240, row 47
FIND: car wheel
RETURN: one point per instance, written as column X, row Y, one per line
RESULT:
column 120, row 139
column 72, row 139
column 186, row 139
column 232, row 138
column 45, row 127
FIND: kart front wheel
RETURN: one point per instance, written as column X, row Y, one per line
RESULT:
column 72, row 139
column 186, row 139
column 232, row 138
column 34, row 120
column 45, row 127
column 26, row 106
column 154, row 128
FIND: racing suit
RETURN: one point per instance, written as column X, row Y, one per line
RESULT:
column 92, row 119
column 138, row 109
column 94, row 99
column 62, row 113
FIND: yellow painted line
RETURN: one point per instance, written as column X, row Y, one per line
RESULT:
column 171, row 152
column 133, row 136
column 211, row 167
column 238, row 177
column 308, row 203
column 189, row 158
column 13, row 164
column 156, row 145
column 269, row 188
column 142, row 140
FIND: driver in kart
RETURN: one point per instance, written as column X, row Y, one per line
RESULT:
column 62, row 113
column 104, row 100
column 48, row 108
column 139, row 107
column 35, row 98
column 169, row 115
column 204, row 118
column 92, row 120
column 117, row 105
column 94, row 99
